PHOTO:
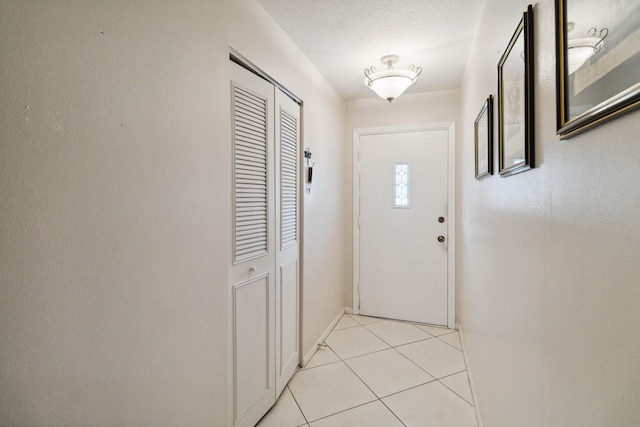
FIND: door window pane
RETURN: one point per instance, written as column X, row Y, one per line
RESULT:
column 401, row 185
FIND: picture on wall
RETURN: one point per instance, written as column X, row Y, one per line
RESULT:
column 598, row 62
column 483, row 136
column 515, row 100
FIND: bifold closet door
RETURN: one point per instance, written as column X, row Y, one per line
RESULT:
column 265, row 271
column 253, row 277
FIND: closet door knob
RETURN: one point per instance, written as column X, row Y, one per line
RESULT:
column 440, row 239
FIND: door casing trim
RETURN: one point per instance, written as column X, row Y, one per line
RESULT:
column 451, row 207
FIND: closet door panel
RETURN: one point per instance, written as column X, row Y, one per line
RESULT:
column 251, row 321
column 253, row 273
column 287, row 238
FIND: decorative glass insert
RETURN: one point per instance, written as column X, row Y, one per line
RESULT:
column 401, row 185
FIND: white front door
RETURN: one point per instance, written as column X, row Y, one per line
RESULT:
column 404, row 219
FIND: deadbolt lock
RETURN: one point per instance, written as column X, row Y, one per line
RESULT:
column 440, row 239
column 441, row 219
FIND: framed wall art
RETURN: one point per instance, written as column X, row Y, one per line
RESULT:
column 483, row 136
column 515, row 100
column 598, row 62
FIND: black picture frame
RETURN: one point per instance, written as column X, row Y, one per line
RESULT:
column 483, row 139
column 515, row 101
column 607, row 84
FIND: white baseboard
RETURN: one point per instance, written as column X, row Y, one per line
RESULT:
column 348, row 310
column 470, row 376
column 323, row 337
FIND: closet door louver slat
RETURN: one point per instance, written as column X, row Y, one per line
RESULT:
column 250, row 178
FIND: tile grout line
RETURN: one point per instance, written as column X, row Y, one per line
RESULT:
column 361, row 380
column 465, row 370
column 452, row 390
column 297, row 404
column 379, row 399
column 419, row 367
column 470, row 379
column 431, row 375
column 346, row 327
column 410, row 388
column 364, row 354
column 460, row 350
column 394, row 414
column 410, row 342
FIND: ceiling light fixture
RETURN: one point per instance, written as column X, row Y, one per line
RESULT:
column 580, row 50
column 390, row 83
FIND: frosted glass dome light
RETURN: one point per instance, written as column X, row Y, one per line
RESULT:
column 390, row 83
column 580, row 50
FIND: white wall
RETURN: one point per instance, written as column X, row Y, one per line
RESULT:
column 548, row 270
column 115, row 206
column 413, row 108
column 409, row 109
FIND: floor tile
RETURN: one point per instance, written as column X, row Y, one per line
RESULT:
column 323, row 356
column 459, row 383
column 352, row 342
column 328, row 389
column 431, row 404
column 345, row 322
column 452, row 339
column 285, row 413
column 365, row 320
column 373, row 414
column 434, row 356
column 397, row 333
column 387, row 372
column 398, row 361
column 436, row 330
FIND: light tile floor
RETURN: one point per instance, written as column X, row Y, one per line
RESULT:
column 379, row 373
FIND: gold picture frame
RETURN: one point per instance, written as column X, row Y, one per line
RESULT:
column 598, row 62
column 515, row 101
column 483, row 137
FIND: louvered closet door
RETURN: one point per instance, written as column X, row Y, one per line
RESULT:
column 253, row 272
column 287, row 265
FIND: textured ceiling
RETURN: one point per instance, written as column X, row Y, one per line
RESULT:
column 343, row 37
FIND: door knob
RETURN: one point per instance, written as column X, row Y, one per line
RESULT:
column 440, row 239
column 441, row 219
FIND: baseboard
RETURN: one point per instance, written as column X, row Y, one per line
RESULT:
column 323, row 337
column 348, row 310
column 470, row 376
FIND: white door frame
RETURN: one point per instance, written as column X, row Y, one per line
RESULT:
column 451, row 208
